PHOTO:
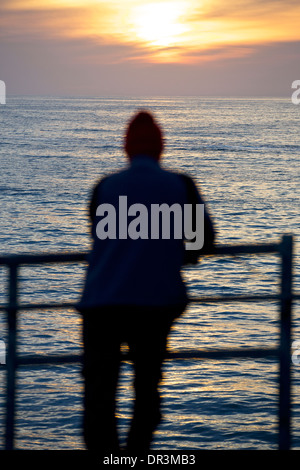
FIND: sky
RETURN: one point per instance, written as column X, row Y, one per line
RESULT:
column 150, row 48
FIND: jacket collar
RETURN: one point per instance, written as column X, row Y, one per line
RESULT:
column 144, row 160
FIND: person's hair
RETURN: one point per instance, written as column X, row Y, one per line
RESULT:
column 143, row 136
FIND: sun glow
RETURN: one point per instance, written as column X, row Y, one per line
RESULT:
column 152, row 31
column 159, row 24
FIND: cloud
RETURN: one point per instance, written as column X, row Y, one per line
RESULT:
column 74, row 68
column 238, row 48
column 246, row 20
column 33, row 24
column 63, row 21
column 106, row 28
column 242, row 10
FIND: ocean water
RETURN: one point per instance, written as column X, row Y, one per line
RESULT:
column 244, row 156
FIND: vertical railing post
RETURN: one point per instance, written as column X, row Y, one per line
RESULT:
column 11, row 355
column 285, row 343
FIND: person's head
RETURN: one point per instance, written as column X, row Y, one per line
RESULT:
column 143, row 136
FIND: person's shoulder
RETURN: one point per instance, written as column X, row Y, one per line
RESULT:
column 186, row 178
column 109, row 178
column 97, row 184
column 183, row 177
column 191, row 189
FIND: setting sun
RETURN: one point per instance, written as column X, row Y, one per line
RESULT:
column 159, row 24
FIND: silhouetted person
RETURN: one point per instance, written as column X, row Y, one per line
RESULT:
column 133, row 290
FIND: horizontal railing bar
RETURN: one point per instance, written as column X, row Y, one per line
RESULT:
column 240, row 298
column 224, row 353
column 171, row 355
column 41, row 359
column 43, row 258
column 75, row 257
column 207, row 299
column 39, row 306
column 247, row 249
column 234, row 298
column 227, row 298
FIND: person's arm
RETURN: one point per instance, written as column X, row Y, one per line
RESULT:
column 94, row 202
column 194, row 197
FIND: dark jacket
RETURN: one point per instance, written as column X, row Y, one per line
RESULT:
column 140, row 271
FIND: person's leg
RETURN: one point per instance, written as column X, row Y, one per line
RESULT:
column 148, row 346
column 101, row 368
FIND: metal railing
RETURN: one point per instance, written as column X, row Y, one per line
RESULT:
column 282, row 352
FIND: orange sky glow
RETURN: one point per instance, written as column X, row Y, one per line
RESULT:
column 157, row 31
column 151, row 32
